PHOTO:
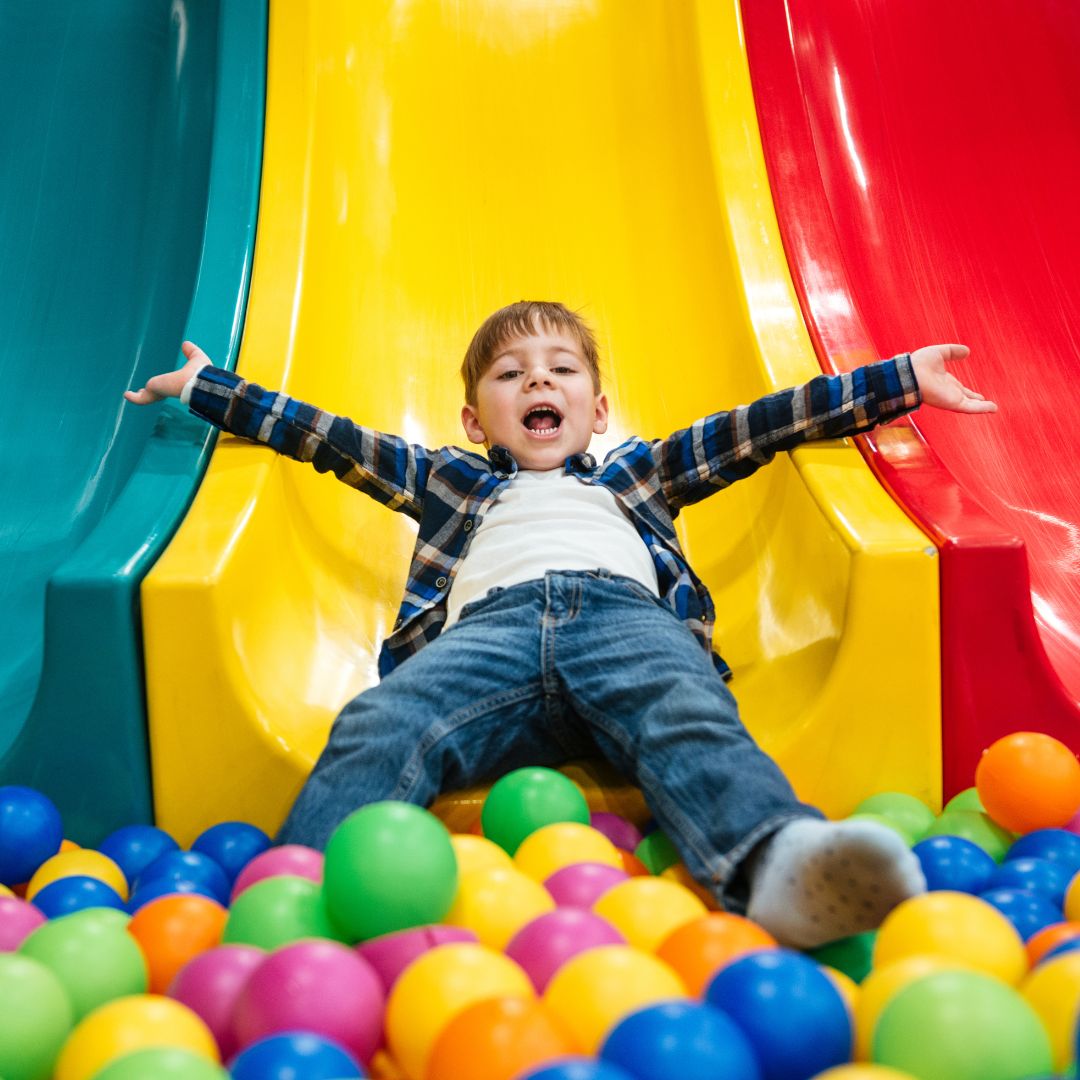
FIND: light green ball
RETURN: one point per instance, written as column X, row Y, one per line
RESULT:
column 278, row 911
column 888, row 823
column 976, row 827
column 968, row 799
column 161, row 1063
column 35, row 1018
column 526, row 800
column 911, row 815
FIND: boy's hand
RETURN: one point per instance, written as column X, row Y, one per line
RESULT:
column 939, row 388
column 171, row 383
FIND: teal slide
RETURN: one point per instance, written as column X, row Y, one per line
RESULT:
column 131, row 141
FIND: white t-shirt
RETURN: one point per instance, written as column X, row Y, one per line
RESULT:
column 549, row 521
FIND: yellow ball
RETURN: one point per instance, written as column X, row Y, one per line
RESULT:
column 1053, row 991
column 1072, row 900
column 955, row 925
column 477, row 853
column 646, row 909
column 846, row 985
column 864, row 1072
column 128, row 1024
column 883, row 984
column 496, row 902
column 566, row 842
column 78, row 862
column 594, row 990
column 433, row 989
column 5, row 891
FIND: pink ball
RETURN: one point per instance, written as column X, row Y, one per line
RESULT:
column 542, row 946
column 17, row 920
column 622, row 833
column 318, row 986
column 582, row 884
column 292, row 859
column 210, row 984
column 1073, row 824
column 391, row 954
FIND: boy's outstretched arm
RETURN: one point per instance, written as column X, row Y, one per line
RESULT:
column 941, row 389
column 172, row 382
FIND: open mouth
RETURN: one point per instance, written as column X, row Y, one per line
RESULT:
column 542, row 422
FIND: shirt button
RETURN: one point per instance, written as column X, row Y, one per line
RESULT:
column 440, row 582
column 468, row 526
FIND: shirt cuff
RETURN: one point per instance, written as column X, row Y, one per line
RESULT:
column 185, row 393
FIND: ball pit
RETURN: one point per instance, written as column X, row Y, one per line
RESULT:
column 67, row 895
column 290, row 860
column 645, row 910
column 134, row 847
column 697, row 950
column 231, row 845
column 173, row 930
column 543, row 945
column 30, row 832
column 495, row 902
column 295, row 1055
column 527, row 799
column 583, row 883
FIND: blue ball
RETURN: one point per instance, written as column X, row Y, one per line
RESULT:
column 188, row 866
column 578, row 1069
column 1060, row 950
column 1029, row 912
column 295, row 1055
column 1049, row 879
column 680, row 1040
column 134, row 847
column 152, row 890
column 789, row 1010
column 30, row 832
column 76, row 893
column 232, row 845
column 1057, row 845
column 955, row 864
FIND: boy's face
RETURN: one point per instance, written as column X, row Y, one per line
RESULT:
column 537, row 400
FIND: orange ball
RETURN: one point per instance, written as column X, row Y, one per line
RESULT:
column 1049, row 937
column 173, row 930
column 1029, row 781
column 632, row 864
column 498, row 1039
column 698, row 950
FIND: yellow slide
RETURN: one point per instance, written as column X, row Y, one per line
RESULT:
column 426, row 163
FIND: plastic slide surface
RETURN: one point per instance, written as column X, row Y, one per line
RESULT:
column 130, row 137
column 424, row 165
column 924, row 160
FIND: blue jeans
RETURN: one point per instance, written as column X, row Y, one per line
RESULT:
column 572, row 665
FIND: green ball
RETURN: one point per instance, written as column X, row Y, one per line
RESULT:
column 95, row 959
column 854, row 955
column 278, row 911
column 911, row 815
column 528, row 799
column 657, row 852
column 162, row 1063
column 962, row 1025
column 389, row 866
column 976, row 827
column 968, row 799
column 888, row 823
column 35, row 1018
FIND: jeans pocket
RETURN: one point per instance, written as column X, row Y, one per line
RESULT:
column 642, row 592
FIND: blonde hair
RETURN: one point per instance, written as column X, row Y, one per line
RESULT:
column 522, row 320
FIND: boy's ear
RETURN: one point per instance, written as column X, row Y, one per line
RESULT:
column 471, row 423
column 600, row 421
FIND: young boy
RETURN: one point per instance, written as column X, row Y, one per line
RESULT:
column 550, row 612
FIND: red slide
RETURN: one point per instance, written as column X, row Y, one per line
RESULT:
column 925, row 164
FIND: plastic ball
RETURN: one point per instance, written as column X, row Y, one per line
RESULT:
column 582, row 884
column 1053, row 991
column 851, row 956
column 295, row 1056
column 35, row 1018
column 680, row 875
column 18, row 918
column 30, row 832
column 498, row 1038
column 210, row 984
column 1050, row 937
column 1029, row 781
column 162, row 1063
column 968, row 799
column 863, row 1072
column 622, row 833
column 95, row 959
column 910, row 814
column 646, row 910
column 964, row 1025
column 497, row 902
column 976, row 827
column 232, row 845
column 953, row 925
column 697, row 950
column 435, row 988
column 578, row 1069
column 316, row 986
column 552, row 847
column 190, row 866
column 278, row 911
column 391, row 954
column 134, row 847
column 845, row 985
column 955, row 864
column 1049, row 879
column 71, row 894
column 477, row 853
column 129, row 1024
column 1058, row 846
column 793, row 1016
column 173, row 930
column 291, row 860
column 154, row 890
column 528, row 799
column 78, row 863
column 594, row 990
column 389, row 866
column 1029, row 912
column 542, row 946
column 656, row 852
column 681, row 1040
column 633, row 866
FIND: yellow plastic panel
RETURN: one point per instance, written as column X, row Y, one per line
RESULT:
column 425, row 164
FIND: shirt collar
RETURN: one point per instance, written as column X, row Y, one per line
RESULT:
column 502, row 461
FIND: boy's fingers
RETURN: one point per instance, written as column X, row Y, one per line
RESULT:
column 193, row 352
column 956, row 352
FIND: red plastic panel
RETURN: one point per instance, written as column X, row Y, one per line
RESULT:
column 925, row 162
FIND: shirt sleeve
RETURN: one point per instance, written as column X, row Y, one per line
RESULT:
column 386, row 467
column 719, row 449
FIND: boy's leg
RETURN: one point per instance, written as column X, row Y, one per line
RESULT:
column 468, row 706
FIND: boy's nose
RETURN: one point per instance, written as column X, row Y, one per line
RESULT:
column 540, row 376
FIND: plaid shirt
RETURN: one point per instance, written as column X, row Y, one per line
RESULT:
column 447, row 491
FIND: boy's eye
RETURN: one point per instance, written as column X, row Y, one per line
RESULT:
column 507, row 374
